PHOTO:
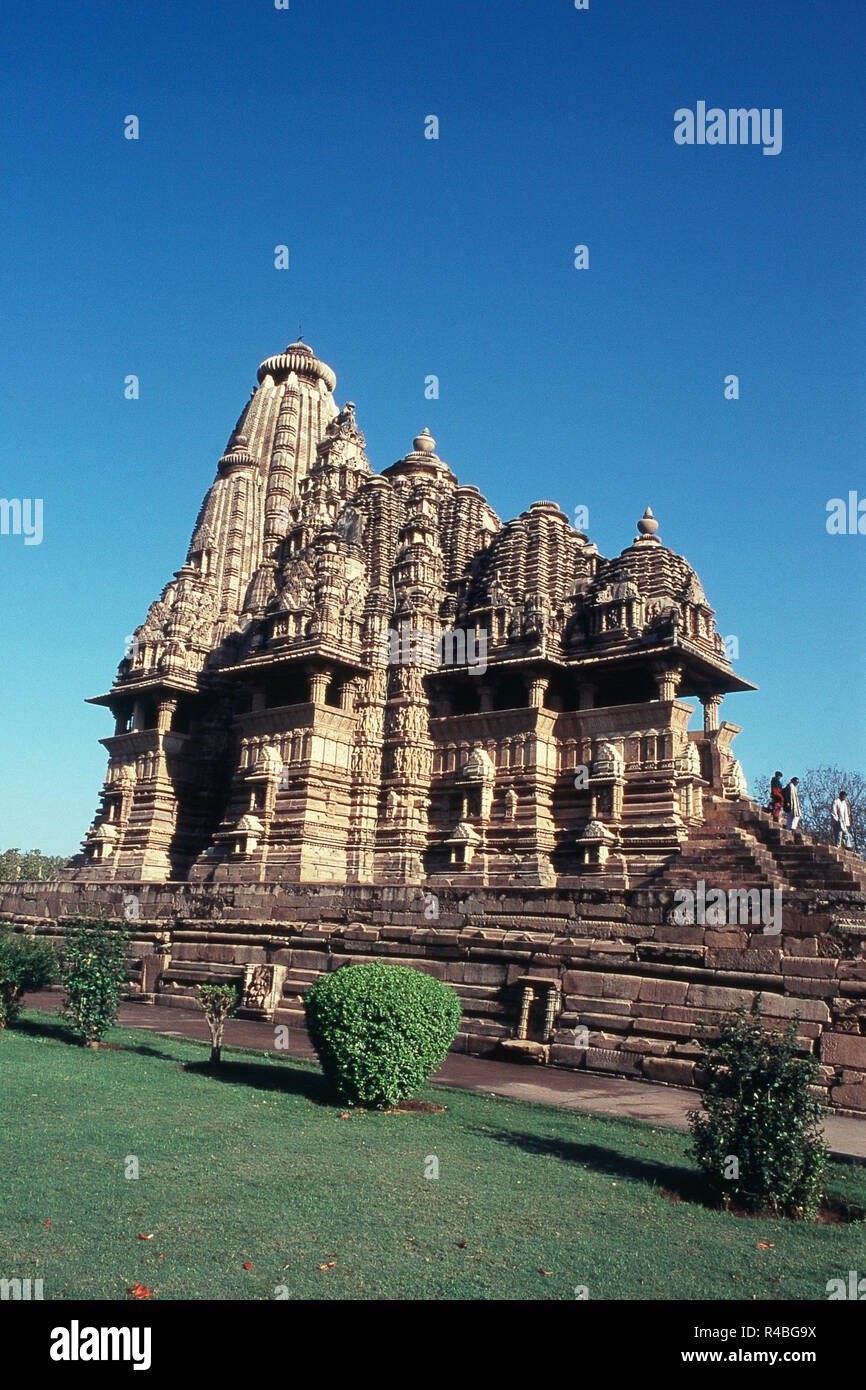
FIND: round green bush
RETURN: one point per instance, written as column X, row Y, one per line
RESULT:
column 380, row 1030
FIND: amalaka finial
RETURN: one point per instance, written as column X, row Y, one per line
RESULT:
column 647, row 526
column 425, row 443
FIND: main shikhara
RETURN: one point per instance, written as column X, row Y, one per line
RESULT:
column 263, row 734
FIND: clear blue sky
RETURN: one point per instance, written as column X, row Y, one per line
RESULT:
column 602, row 387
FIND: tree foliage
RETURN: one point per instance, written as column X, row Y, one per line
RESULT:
column 29, row 865
column 759, row 1136
column 219, row 1003
column 94, row 968
column 26, row 964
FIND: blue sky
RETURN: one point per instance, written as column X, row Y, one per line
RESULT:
column 601, row 387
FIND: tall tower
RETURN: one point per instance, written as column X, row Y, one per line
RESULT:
column 167, row 770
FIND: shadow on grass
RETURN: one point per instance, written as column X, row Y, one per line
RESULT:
column 38, row 1028
column 268, row 1076
column 140, row 1050
column 683, row 1183
column 62, row 1032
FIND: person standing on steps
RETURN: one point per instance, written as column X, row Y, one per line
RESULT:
column 777, row 796
column 792, row 804
column 841, row 814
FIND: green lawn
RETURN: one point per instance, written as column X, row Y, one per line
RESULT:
column 259, row 1167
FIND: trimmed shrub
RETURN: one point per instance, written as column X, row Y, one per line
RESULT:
column 25, row 964
column 759, row 1142
column 94, row 967
column 380, row 1030
column 219, row 1003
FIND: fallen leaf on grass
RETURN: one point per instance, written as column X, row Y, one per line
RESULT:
column 139, row 1291
column 763, row 1246
column 248, row 1265
column 47, row 1223
column 329, row 1265
column 461, row 1245
column 141, row 1237
column 546, row 1271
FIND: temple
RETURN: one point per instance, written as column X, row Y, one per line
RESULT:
column 366, row 719
column 368, row 678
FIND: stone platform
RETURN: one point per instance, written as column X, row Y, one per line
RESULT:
column 591, row 980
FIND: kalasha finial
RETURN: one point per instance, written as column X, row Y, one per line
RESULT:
column 425, row 443
column 300, row 334
column 647, row 526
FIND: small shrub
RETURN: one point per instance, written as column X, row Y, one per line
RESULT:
column 761, row 1113
column 25, row 964
column 219, row 1003
column 94, row 967
column 380, row 1030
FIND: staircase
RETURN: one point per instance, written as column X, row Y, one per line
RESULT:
column 803, row 862
column 724, row 857
column 740, row 845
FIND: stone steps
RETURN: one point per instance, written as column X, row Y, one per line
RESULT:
column 741, row 843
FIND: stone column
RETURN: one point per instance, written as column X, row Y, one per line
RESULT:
column 712, row 704
column 318, row 685
column 537, row 690
column 668, row 681
column 165, row 714
column 525, row 1004
column 550, row 1011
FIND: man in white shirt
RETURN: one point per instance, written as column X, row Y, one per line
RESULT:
column 842, row 822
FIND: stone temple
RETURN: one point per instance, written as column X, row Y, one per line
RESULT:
column 368, row 678
column 366, row 717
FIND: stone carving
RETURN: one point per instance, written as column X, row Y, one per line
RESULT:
column 262, row 987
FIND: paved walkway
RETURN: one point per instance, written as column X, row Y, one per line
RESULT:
column 605, row 1095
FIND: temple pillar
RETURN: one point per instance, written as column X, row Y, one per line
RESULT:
column 712, row 705
column 537, row 692
column 165, row 714
column 667, row 681
column 318, row 685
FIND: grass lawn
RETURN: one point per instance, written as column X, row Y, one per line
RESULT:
column 258, row 1167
